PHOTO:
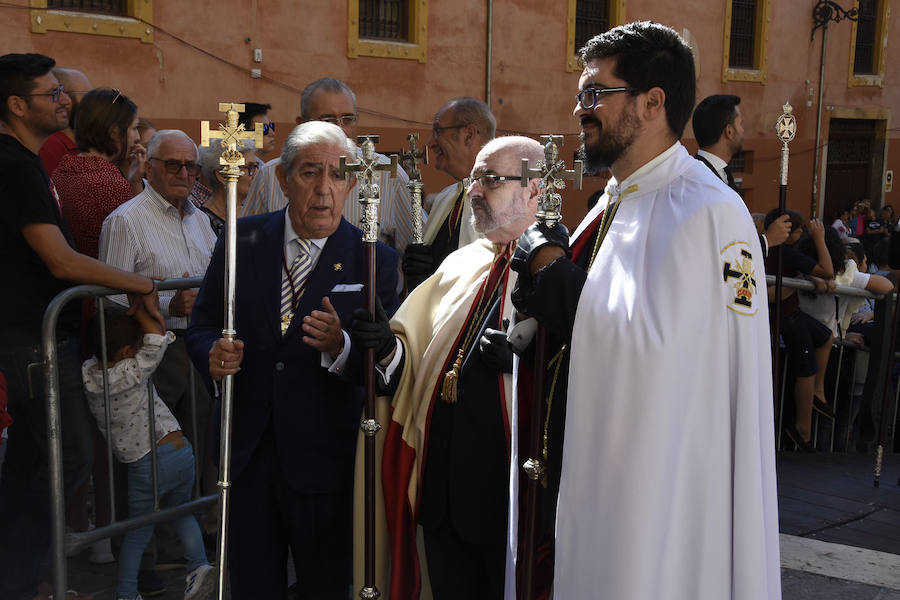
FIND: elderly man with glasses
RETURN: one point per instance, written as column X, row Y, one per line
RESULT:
column 460, row 128
column 161, row 234
column 448, row 366
column 333, row 101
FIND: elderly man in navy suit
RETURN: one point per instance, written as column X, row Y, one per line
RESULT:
column 298, row 384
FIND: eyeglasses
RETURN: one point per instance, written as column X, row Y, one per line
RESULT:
column 267, row 127
column 173, row 167
column 252, row 168
column 588, row 97
column 491, row 181
column 339, row 120
column 54, row 94
column 437, row 130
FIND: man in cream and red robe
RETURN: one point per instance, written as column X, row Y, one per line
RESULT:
column 668, row 473
column 445, row 357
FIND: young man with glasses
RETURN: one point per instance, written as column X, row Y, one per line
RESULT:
column 333, row 101
column 668, row 469
column 460, row 129
column 76, row 85
column 38, row 259
column 449, row 370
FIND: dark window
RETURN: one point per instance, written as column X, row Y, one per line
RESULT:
column 864, row 61
column 106, row 7
column 384, row 20
column 742, row 162
column 591, row 18
column 742, row 51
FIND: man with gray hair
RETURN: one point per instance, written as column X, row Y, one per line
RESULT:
column 298, row 379
column 448, row 366
column 333, row 101
column 461, row 127
column 161, row 234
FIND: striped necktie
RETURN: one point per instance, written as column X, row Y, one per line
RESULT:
column 292, row 285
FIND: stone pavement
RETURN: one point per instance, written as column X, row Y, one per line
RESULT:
column 840, row 534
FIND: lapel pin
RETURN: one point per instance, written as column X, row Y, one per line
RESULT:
column 338, row 266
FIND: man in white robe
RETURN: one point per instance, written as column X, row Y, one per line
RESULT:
column 668, row 474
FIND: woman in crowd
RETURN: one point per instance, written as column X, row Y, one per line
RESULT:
column 108, row 169
column 255, row 112
column 209, row 164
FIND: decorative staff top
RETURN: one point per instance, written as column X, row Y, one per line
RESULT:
column 370, row 173
column 553, row 174
column 785, row 129
column 231, row 133
column 413, row 156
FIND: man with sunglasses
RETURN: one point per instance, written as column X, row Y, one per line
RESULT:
column 449, row 371
column 38, row 259
column 668, row 470
column 161, row 234
column 460, row 129
column 333, row 101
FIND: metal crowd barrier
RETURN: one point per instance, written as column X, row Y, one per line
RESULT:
column 65, row 544
column 877, row 383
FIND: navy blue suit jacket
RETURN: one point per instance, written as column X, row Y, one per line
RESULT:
column 314, row 414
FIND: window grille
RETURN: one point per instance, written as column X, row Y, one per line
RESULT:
column 106, row 7
column 384, row 20
column 866, row 25
column 591, row 18
column 742, row 50
column 742, row 162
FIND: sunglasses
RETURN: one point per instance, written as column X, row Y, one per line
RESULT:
column 267, row 127
column 173, row 167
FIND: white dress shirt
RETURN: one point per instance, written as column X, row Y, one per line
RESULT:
column 291, row 250
column 147, row 235
column 716, row 162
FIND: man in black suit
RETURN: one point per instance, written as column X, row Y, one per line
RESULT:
column 719, row 129
column 298, row 393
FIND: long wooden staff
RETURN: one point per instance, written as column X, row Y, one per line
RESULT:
column 785, row 129
column 230, row 133
column 552, row 173
column 369, row 169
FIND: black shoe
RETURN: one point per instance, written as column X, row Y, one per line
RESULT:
column 802, row 445
column 821, row 407
column 150, row 585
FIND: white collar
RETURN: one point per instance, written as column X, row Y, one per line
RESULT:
column 614, row 188
column 290, row 235
column 713, row 159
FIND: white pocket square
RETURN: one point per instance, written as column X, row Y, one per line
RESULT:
column 347, row 287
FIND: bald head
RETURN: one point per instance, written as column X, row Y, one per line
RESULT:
column 502, row 208
column 76, row 83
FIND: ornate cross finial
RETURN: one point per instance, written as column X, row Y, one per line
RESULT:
column 552, row 173
column 786, row 127
column 415, row 185
column 231, row 133
column 369, row 170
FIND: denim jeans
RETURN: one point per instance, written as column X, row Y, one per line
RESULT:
column 175, row 470
column 25, row 483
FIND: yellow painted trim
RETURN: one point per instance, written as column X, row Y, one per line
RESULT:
column 414, row 50
column 616, row 18
column 760, row 50
column 138, row 24
column 876, row 79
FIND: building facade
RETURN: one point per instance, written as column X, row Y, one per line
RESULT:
column 404, row 58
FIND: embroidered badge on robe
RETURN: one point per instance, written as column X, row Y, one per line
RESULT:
column 739, row 275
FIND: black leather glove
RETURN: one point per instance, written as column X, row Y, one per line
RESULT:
column 418, row 264
column 496, row 351
column 536, row 237
column 366, row 332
